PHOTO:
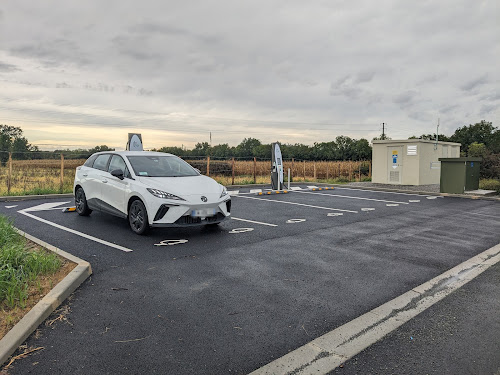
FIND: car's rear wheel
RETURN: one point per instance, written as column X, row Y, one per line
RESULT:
column 138, row 217
column 81, row 203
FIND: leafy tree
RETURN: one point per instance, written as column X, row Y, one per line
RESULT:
column 12, row 140
column 481, row 132
column 245, row 148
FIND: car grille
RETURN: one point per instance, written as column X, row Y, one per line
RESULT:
column 189, row 220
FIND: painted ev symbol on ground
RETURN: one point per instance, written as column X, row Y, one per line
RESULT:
column 171, row 242
column 241, row 230
column 292, row 221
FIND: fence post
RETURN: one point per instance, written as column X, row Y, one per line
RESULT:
column 208, row 165
column 314, row 169
column 340, row 163
column 359, row 171
column 61, row 186
column 292, row 168
column 232, row 180
column 327, row 170
column 9, row 176
column 254, row 170
column 304, row 170
column 350, row 172
column 370, row 169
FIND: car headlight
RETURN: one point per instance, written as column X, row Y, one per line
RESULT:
column 162, row 194
column 224, row 192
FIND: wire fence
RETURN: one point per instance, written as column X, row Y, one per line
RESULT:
column 56, row 174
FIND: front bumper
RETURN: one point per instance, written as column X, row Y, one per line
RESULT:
column 179, row 215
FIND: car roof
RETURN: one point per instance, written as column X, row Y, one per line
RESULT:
column 135, row 153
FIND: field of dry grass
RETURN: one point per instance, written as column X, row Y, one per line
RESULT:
column 44, row 176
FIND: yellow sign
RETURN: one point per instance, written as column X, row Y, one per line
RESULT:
column 394, row 152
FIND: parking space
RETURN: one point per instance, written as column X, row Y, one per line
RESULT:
column 284, row 270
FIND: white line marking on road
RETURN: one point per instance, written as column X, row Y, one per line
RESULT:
column 334, row 214
column 233, row 192
column 486, row 215
column 368, row 209
column 255, row 222
column 379, row 191
column 329, row 351
column 256, row 191
column 414, row 200
column 313, row 187
column 349, row 197
column 241, row 230
column 110, row 244
column 293, row 221
column 171, row 242
column 300, row 204
column 11, row 206
column 46, row 206
column 393, row 204
column 295, row 188
column 431, row 197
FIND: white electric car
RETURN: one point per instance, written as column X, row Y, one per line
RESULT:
column 150, row 189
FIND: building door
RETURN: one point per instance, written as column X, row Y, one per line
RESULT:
column 395, row 164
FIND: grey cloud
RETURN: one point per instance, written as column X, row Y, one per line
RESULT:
column 4, row 67
column 364, row 77
column 488, row 108
column 494, row 96
column 468, row 86
column 420, row 116
column 448, row 108
column 52, row 52
column 405, row 98
column 167, row 30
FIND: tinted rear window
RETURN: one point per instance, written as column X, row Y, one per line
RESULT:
column 101, row 162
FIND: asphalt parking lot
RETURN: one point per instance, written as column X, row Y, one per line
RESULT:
column 284, row 270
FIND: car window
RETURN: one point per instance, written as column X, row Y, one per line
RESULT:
column 117, row 162
column 90, row 161
column 101, row 162
column 161, row 166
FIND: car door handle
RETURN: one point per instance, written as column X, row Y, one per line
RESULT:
column 104, row 181
column 85, row 175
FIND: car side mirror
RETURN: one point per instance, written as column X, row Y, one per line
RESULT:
column 117, row 173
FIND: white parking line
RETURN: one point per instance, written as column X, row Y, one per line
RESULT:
column 486, row 215
column 110, row 244
column 299, row 204
column 255, row 222
column 329, row 351
column 385, row 192
column 349, row 197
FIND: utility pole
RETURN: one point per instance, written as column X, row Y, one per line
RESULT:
column 437, row 135
column 383, row 130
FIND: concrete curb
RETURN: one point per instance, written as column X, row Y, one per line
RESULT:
column 30, row 322
column 33, row 197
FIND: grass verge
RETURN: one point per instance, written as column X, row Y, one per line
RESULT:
column 27, row 273
column 490, row 184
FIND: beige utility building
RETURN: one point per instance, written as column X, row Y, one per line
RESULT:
column 410, row 161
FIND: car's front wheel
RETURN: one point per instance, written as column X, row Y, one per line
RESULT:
column 138, row 217
column 81, row 203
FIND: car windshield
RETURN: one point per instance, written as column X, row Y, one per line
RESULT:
column 161, row 166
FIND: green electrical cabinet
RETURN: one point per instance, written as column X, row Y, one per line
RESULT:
column 459, row 174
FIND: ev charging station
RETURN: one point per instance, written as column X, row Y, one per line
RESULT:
column 276, row 167
column 134, row 142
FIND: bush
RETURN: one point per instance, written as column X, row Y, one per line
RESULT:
column 490, row 166
column 490, row 184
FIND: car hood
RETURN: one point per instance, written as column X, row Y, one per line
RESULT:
column 184, row 186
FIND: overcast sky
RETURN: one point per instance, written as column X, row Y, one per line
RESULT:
column 81, row 73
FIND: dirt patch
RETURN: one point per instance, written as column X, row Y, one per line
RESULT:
column 37, row 290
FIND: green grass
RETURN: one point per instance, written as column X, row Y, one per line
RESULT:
column 490, row 184
column 19, row 267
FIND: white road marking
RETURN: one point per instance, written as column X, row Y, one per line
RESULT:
column 334, row 214
column 256, row 191
column 11, row 206
column 329, row 351
column 393, row 204
column 414, row 200
column 349, row 197
column 46, row 206
column 171, row 242
column 110, row 244
column 293, row 221
column 379, row 191
column 233, row 192
column 241, row 230
column 312, row 187
column 300, row 204
column 254, row 222
column 368, row 209
column 486, row 215
column 295, row 188
column 431, row 197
